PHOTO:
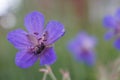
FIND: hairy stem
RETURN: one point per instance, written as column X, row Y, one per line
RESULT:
column 69, row 78
column 51, row 73
column 44, row 76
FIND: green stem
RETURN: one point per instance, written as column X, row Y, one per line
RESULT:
column 69, row 78
column 63, row 78
column 51, row 73
column 44, row 76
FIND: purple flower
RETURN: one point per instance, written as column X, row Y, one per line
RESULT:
column 82, row 48
column 37, row 44
column 113, row 24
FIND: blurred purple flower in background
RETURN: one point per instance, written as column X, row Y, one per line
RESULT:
column 82, row 48
column 113, row 24
column 37, row 43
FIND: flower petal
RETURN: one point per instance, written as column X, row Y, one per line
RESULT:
column 82, row 40
column 79, row 54
column 25, row 59
column 19, row 39
column 117, row 43
column 74, row 47
column 86, row 41
column 109, row 22
column 48, row 57
column 109, row 35
column 34, row 22
column 118, row 14
column 55, row 30
column 88, row 57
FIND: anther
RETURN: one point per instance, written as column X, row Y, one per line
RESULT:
column 36, row 33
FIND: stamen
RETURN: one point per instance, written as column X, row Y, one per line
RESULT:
column 39, row 49
column 36, row 33
column 39, row 39
column 45, row 35
column 45, row 40
column 41, row 43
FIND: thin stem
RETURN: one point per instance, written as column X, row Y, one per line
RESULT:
column 44, row 76
column 69, row 78
column 63, row 78
column 65, row 74
column 51, row 73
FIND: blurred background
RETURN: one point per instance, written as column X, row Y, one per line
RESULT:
column 76, row 15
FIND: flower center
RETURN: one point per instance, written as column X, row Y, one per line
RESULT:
column 39, row 48
column 85, row 51
column 87, row 44
column 117, row 31
column 39, row 44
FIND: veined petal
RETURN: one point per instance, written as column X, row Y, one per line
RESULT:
column 55, row 30
column 19, row 39
column 25, row 59
column 109, row 22
column 117, row 43
column 48, row 57
column 109, row 35
column 34, row 22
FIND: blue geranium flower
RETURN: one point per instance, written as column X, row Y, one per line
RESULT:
column 82, row 48
column 37, row 43
column 113, row 24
